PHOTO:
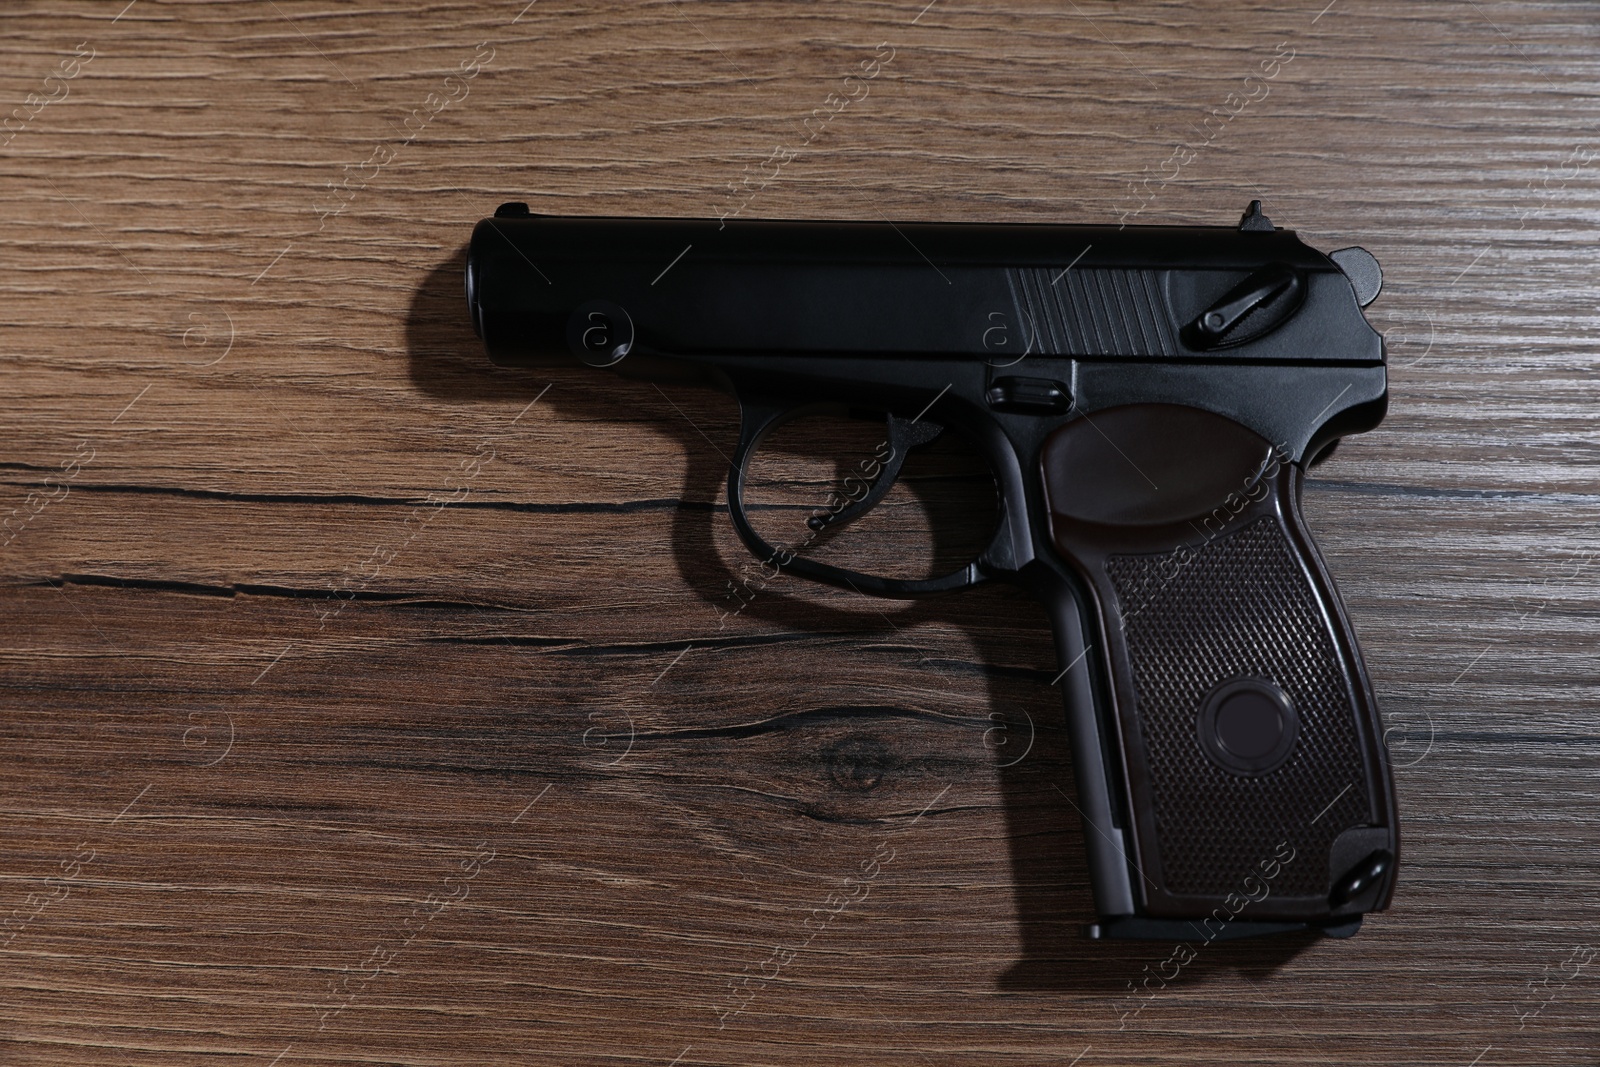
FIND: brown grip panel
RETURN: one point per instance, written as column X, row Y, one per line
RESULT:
column 1246, row 724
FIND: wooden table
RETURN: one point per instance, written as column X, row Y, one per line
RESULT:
column 367, row 704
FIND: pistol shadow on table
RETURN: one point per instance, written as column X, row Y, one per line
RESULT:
column 1050, row 881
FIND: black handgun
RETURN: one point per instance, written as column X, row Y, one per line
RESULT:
column 1148, row 408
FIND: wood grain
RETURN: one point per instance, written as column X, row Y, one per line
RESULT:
column 323, row 744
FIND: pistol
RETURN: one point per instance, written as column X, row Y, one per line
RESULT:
column 1148, row 399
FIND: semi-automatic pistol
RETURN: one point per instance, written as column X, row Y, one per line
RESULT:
column 1148, row 399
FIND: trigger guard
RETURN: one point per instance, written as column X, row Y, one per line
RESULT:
column 757, row 421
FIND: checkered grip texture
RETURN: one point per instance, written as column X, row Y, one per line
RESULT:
column 1241, row 606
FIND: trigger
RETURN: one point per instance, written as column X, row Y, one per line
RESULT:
column 904, row 435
